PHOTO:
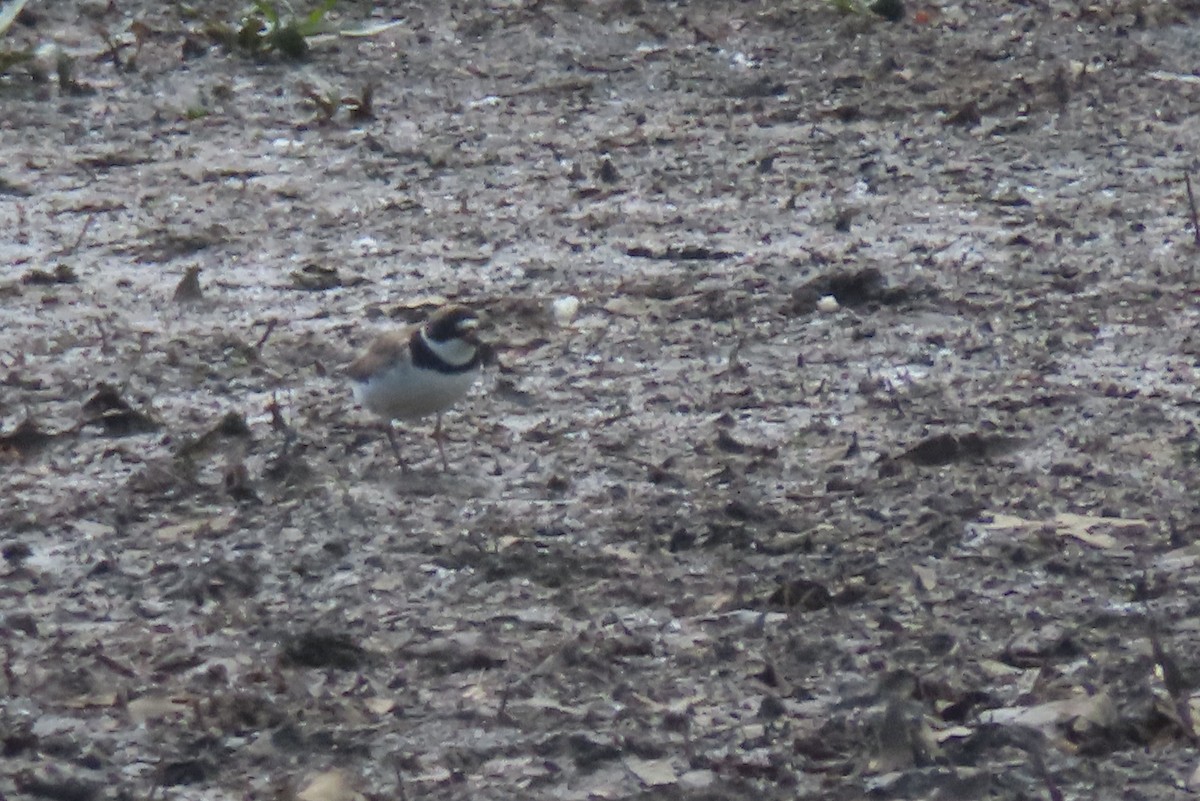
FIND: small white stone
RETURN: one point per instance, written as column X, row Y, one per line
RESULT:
column 565, row 309
column 828, row 304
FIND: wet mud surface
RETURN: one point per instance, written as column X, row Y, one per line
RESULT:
column 866, row 467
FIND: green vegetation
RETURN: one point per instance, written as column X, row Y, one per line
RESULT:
column 11, row 58
column 271, row 27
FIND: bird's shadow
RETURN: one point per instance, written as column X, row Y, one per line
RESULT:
column 425, row 480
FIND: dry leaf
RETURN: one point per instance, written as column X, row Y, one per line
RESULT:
column 438, row 774
column 421, row 302
column 697, row 779
column 380, row 706
column 953, row 733
column 521, row 766
column 90, row 529
column 194, row 528
column 1094, row 709
column 1088, row 529
column 388, row 584
column 93, row 700
column 543, row 703
column 329, row 786
column 652, row 772
column 926, row 577
column 477, row 693
column 1081, row 527
column 156, row 707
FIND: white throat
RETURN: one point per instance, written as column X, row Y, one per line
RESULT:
column 456, row 352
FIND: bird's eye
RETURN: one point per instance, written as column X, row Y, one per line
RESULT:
column 469, row 324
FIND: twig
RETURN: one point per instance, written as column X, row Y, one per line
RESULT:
column 1039, row 768
column 10, row 675
column 400, row 783
column 158, row 782
column 502, row 715
column 104, row 345
column 115, row 666
column 277, row 421
column 22, row 225
column 657, row 473
column 266, row 334
column 91, row 217
column 1187, row 177
column 1174, row 681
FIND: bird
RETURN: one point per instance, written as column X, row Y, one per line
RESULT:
column 418, row 371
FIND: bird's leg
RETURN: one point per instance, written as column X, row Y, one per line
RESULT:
column 439, row 438
column 395, row 443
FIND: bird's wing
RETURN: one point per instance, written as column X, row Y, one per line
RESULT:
column 387, row 351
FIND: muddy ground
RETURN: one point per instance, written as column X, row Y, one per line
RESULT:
column 709, row 538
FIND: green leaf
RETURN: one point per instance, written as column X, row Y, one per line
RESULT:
column 289, row 41
column 11, row 58
column 313, row 21
column 250, row 35
column 269, row 11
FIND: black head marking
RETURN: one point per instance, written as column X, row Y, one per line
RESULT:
column 451, row 322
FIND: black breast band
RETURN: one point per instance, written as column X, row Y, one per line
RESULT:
column 424, row 356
